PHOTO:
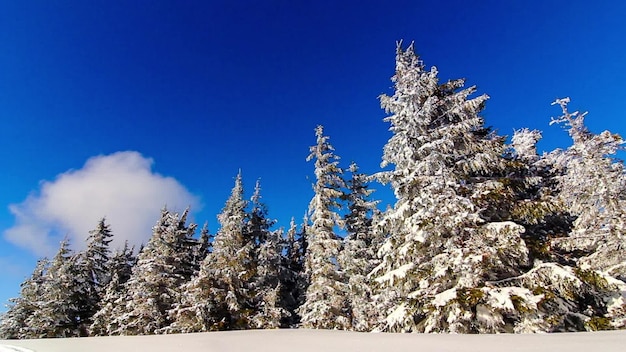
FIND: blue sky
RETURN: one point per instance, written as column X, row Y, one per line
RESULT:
column 114, row 108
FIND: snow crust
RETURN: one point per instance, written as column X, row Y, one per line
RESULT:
column 9, row 348
column 326, row 340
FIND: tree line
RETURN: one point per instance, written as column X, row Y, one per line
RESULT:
column 485, row 236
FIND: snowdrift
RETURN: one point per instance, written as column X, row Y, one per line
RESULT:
column 325, row 340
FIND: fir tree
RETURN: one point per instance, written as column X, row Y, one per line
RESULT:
column 530, row 197
column 219, row 297
column 326, row 305
column 204, row 246
column 58, row 314
column 358, row 257
column 270, row 309
column 95, row 258
column 454, row 260
column 93, row 273
column 592, row 185
column 267, row 257
column 13, row 324
column 258, row 222
column 163, row 267
column 438, row 238
column 113, row 298
column 293, row 281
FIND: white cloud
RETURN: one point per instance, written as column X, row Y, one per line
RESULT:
column 120, row 187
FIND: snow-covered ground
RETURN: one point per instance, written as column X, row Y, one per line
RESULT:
column 322, row 340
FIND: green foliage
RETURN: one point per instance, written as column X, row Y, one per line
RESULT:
column 538, row 247
column 468, row 298
column 591, row 277
column 548, row 295
column 520, row 305
column 599, row 323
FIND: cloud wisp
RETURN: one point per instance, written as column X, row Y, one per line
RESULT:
column 120, row 187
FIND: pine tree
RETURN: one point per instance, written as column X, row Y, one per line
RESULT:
column 219, row 297
column 95, row 258
column 270, row 311
column 293, row 281
column 93, row 273
column 187, row 247
column 593, row 187
column 326, row 305
column 164, row 265
column 456, row 258
column 532, row 197
column 361, row 243
column 258, row 222
column 13, row 322
column 58, row 314
column 439, row 240
column 267, row 256
column 204, row 246
column 113, row 298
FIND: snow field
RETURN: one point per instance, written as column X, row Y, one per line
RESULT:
column 303, row 340
column 9, row 348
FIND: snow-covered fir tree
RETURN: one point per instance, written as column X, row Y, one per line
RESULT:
column 268, row 247
column 93, row 273
column 13, row 322
column 294, row 281
column 58, row 314
column 592, row 186
column 258, row 222
column 435, row 230
column 114, row 295
column 95, row 257
column 524, row 144
column 204, row 246
column 530, row 196
column 454, row 260
column 163, row 266
column 270, row 311
column 219, row 297
column 358, row 257
column 326, row 304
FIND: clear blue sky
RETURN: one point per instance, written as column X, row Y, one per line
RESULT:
column 205, row 88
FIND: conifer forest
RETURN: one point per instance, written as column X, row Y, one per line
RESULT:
column 486, row 235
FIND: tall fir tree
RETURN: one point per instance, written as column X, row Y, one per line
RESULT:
column 13, row 323
column 592, row 186
column 95, row 257
column 163, row 266
column 267, row 255
column 438, row 239
column 58, row 314
column 220, row 297
column 93, row 273
column 204, row 246
column 326, row 304
column 358, row 257
column 454, row 260
column 293, row 282
column 530, row 197
column 271, row 311
column 258, row 221
column 114, row 295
